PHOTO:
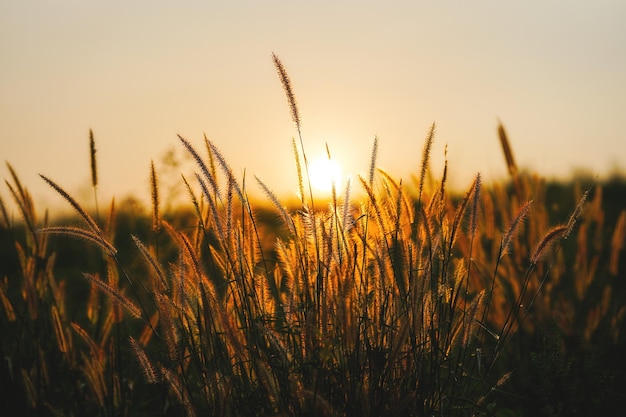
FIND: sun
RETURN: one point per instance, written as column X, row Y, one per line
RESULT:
column 323, row 173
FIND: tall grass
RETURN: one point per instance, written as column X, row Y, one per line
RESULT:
column 396, row 304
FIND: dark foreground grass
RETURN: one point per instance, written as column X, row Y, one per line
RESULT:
column 403, row 302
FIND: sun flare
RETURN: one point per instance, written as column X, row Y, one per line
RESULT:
column 323, row 173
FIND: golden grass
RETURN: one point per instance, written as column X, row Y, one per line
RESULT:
column 396, row 304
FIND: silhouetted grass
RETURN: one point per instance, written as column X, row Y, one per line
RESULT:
column 393, row 304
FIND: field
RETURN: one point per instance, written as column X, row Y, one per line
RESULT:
column 505, row 300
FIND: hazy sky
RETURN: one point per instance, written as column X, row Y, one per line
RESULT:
column 140, row 72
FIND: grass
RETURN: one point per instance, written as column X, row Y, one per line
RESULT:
column 395, row 304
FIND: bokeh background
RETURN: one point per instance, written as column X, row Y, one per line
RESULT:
column 138, row 73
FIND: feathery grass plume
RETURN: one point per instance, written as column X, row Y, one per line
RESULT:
column 296, row 157
column 58, row 330
column 148, row 370
column 374, row 200
column 156, row 267
column 94, row 171
column 227, row 323
column 154, row 193
column 368, row 186
column 559, row 232
column 286, row 82
column 505, row 245
column 281, row 209
column 168, row 326
column 112, row 279
column 213, row 207
column 203, row 168
column 210, row 157
column 227, row 170
column 511, row 232
column 460, row 211
column 106, row 327
column 576, row 214
column 5, row 214
column 92, row 153
column 25, row 211
column 373, row 158
column 6, row 304
column 22, row 197
column 295, row 114
column 506, row 149
column 93, row 369
column 425, row 159
column 196, row 205
column 389, row 183
column 345, row 211
column 284, row 258
column 229, row 214
column 333, row 183
column 86, row 217
column 402, row 203
column 83, row 234
column 116, row 294
column 475, row 201
column 93, row 304
column 548, row 240
column 24, row 203
column 444, row 176
column 191, row 253
column 94, row 348
column 173, row 384
column 510, row 163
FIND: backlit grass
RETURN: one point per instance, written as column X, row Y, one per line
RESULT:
column 398, row 303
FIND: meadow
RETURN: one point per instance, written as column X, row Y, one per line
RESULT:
column 505, row 300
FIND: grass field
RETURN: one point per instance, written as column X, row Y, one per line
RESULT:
column 505, row 300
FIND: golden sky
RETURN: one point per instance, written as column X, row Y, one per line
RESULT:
column 140, row 72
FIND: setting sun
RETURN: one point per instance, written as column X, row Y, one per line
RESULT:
column 323, row 173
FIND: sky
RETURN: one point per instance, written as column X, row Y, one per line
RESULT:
column 141, row 72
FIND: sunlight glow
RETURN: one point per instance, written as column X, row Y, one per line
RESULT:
column 323, row 173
